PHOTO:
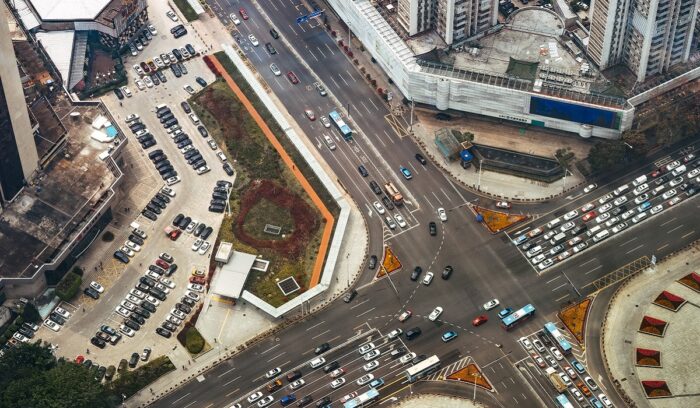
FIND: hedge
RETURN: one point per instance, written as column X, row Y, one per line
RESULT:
column 68, row 286
column 130, row 382
column 193, row 341
column 186, row 10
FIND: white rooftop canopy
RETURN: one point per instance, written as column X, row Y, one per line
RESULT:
column 230, row 278
column 69, row 10
column 59, row 46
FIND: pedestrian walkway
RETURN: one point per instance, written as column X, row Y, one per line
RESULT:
column 445, row 371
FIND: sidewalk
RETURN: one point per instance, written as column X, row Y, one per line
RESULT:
column 437, row 401
column 679, row 345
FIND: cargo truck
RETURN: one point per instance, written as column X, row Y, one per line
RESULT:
column 393, row 193
column 555, row 379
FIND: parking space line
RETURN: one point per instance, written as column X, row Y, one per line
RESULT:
column 688, row 234
column 321, row 334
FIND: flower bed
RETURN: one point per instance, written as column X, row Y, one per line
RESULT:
column 497, row 221
column 574, row 318
column 656, row 389
column 390, row 263
column 653, row 326
column 669, row 301
column 691, row 280
column 470, row 374
column 648, row 358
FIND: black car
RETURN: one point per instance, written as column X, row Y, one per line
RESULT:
column 136, row 126
column 179, row 33
column 349, row 296
column 182, row 68
column 100, row 374
column 224, row 184
column 108, row 330
column 155, row 80
column 150, row 215
column 136, row 239
column 305, row 401
column 183, row 308
column 207, row 231
column 132, row 324
column 156, row 293
column 322, row 348
column 96, row 341
column 375, row 187
column 661, row 180
column 142, row 287
column 363, row 171
column 121, row 257
column 270, row 49
column 216, row 208
column 119, row 93
column 179, row 138
column 432, row 227
column 274, row 33
column 152, row 155
column 177, row 219
column 416, row 273
column 447, row 272
column 133, row 360
column 330, row 367
column 387, row 203
column 203, row 131
column 137, row 319
column 323, row 401
column 443, row 116
column 148, row 306
column 294, row 375
column 372, row 262
column 26, row 332
column 161, row 76
column 413, row 333
column 162, row 197
column 184, row 143
column 198, row 231
column 171, row 270
column 185, row 222
column 190, row 153
column 168, row 326
column 200, row 81
column 153, row 209
column 92, row 293
column 418, row 359
column 163, row 112
column 142, row 312
column 176, row 70
column 190, row 49
column 177, row 54
column 148, row 144
column 188, row 301
column 163, row 332
column 579, row 229
column 421, row 159
column 147, row 281
column 157, row 269
column 228, row 169
column 692, row 191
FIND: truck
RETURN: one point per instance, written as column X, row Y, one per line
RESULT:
column 555, row 379
column 393, row 193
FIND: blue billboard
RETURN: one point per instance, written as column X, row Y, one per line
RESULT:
column 574, row 113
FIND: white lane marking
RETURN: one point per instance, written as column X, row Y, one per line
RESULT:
column 270, row 349
column 181, row 398
column 321, row 334
column 277, row 356
column 634, row 249
column 553, row 279
column 678, row 227
column 365, row 106
column 232, row 381
column 312, row 54
column 688, row 234
column 669, row 221
column 587, row 262
column 436, row 197
column 341, row 77
column 319, row 50
column 316, row 325
column 365, row 312
column 594, row 269
column 227, row 371
column 350, row 75
column 560, row 286
column 627, row 242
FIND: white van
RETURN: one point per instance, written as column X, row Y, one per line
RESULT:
column 558, row 238
column 640, row 180
column 317, row 362
column 553, row 223
column 639, row 217
column 591, row 232
column 679, row 170
column 601, row 236
column 194, row 118
column 329, row 142
column 621, row 189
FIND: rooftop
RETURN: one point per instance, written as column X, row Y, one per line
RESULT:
column 69, row 10
column 45, row 215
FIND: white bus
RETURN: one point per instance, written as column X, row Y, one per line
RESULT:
column 423, row 369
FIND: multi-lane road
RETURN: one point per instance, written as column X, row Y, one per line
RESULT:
column 486, row 266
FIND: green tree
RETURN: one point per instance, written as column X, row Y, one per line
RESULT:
column 637, row 139
column 606, row 155
column 30, row 314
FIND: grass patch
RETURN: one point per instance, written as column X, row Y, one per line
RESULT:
column 497, row 221
column 266, row 212
column 130, row 382
column 390, row 263
column 470, row 374
column 574, row 318
column 186, row 9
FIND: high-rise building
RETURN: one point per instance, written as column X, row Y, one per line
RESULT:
column 18, row 154
column 454, row 20
column 647, row 36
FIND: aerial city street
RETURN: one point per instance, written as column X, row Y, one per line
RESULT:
column 349, row 203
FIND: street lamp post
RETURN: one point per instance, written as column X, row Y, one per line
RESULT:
column 478, row 187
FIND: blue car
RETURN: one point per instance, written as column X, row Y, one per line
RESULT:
column 376, row 383
column 520, row 239
column 505, row 312
column 595, row 403
column 645, row 206
column 449, row 335
column 406, row 173
column 578, row 366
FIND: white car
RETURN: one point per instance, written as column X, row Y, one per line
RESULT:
column 253, row 40
column 133, row 246
column 612, row 221
column 546, row 264
column 195, row 287
column 371, row 365
column 148, row 82
column 366, row 348
column 126, row 91
column 620, row 200
column 399, row 220
column 52, row 325
column 171, row 15
column 133, row 299
column 192, row 295
column 131, row 118
column 526, row 343
column 602, row 217
column 197, row 243
column 337, row 382
column 672, row 165
column 576, row 393
column 539, row 258
column 275, row 70
column 255, row 396
column 62, row 312
column 189, row 89
column 174, row 320
column 605, row 208
column 138, row 69
column 152, row 29
column 365, row 379
column 128, row 305
column 379, row 207
column 137, row 293
column 98, row 288
column 604, row 199
column 491, row 304
column 140, row 85
column 565, row 378
column 123, row 312
column 435, row 314
column 556, row 353
column 236, row 21
column 222, row 157
column 407, row 358
column 642, row 198
column 297, row 384
column 212, row 145
column 266, row 401
column 128, row 251
column 168, row 283
column 676, row 181
column 534, row 251
column 619, row 227
column 570, row 215
column 178, row 313
column 325, row 122
column 127, row 330
column 394, row 334
column 153, row 300
column 590, row 188
column 428, row 278
column 152, row 275
column 604, row 399
column 204, row 248
column 580, row 247
column 569, row 225
column 656, row 209
column 162, row 288
column 159, row 62
column 372, row 355
column 442, row 214
column 669, row 194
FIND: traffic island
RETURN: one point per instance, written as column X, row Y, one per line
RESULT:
column 496, row 221
column 390, row 263
column 472, row 375
column 574, row 318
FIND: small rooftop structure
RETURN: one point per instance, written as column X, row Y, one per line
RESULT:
column 59, row 46
column 223, row 254
column 231, row 277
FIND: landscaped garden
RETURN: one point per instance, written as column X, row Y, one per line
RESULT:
column 655, row 327
column 656, row 389
column 272, row 215
column 470, row 374
column 669, row 301
column 648, row 358
column 496, row 221
column 390, row 263
column 691, row 280
column 574, row 318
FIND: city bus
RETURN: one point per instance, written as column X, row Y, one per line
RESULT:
column 518, row 316
column 340, row 124
column 563, row 402
column 552, row 331
column 423, row 369
column 364, row 399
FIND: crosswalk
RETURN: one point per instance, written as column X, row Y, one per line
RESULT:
column 445, row 371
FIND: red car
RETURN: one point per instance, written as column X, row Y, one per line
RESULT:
column 310, row 114
column 292, row 77
column 175, row 234
column 243, row 13
column 145, row 67
column 656, row 173
column 589, row 216
column 199, row 280
column 405, row 315
column 162, row 264
column 479, row 320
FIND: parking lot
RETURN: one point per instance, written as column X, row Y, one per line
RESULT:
column 192, row 195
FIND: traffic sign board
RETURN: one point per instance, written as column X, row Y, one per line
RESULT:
column 302, row 19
